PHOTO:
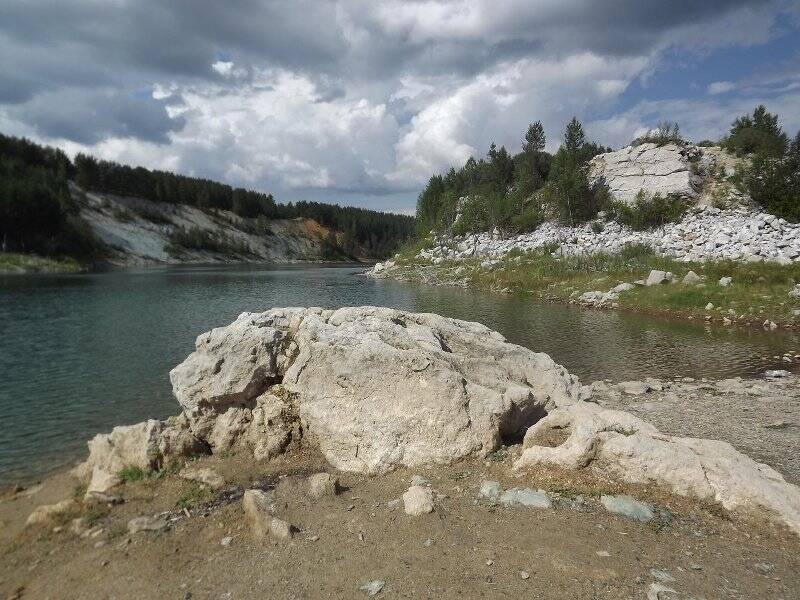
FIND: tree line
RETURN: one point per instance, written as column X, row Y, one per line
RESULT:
column 39, row 214
column 517, row 193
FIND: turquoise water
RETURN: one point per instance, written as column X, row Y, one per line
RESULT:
column 82, row 353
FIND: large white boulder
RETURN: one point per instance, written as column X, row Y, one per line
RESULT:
column 655, row 169
column 374, row 387
column 624, row 447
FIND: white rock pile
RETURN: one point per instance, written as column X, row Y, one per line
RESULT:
column 705, row 234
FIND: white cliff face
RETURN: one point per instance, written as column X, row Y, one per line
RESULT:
column 664, row 170
column 705, row 233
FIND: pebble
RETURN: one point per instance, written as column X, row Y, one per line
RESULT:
column 526, row 497
column 602, row 553
column 373, row 588
column 226, row 541
column 524, row 574
column 629, row 507
column 661, row 575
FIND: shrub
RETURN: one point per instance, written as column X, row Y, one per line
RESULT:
column 775, row 182
column 649, row 212
column 597, row 227
column 130, row 473
column 192, row 497
column 122, row 214
column 151, row 214
column 759, row 133
column 666, row 132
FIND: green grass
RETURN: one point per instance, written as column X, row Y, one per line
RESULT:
column 130, row 473
column 192, row 497
column 11, row 262
column 759, row 290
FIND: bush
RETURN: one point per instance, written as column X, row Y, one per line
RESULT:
column 130, row 473
column 759, row 133
column 666, row 132
column 151, row 214
column 649, row 212
column 775, row 182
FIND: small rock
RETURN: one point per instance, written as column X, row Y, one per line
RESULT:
column 146, row 523
column 203, row 475
column 709, row 306
column 778, row 425
column 280, row 529
column 418, row 500
column 428, row 543
column 777, row 374
column 259, row 508
column 658, row 591
column 691, row 278
column 764, row 568
column 323, row 484
column 524, row 574
column 627, row 506
column 658, row 277
column 603, row 553
column 419, row 480
column 226, row 541
column 490, row 490
column 634, row 388
column 392, row 504
column 661, row 575
column 526, row 497
column 99, row 543
column 725, row 281
column 373, row 588
column 103, row 498
column 45, row 513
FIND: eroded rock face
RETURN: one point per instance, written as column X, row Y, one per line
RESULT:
column 655, row 169
column 626, row 448
column 372, row 387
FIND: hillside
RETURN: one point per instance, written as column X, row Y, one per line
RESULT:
column 63, row 214
column 138, row 232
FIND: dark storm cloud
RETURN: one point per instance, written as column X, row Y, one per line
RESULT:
column 71, row 69
column 88, row 117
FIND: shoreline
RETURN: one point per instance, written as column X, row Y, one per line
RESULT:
column 508, row 276
column 38, row 265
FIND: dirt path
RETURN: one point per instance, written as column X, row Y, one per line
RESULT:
column 466, row 548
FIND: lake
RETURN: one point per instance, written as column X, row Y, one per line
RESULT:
column 82, row 353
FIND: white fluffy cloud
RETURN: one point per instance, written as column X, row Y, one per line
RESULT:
column 352, row 100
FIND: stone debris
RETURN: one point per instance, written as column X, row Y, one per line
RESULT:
column 725, row 281
column 373, row 588
column 203, row 475
column 661, row 575
column 704, row 234
column 280, row 529
column 658, row 278
column 629, row 507
column 490, row 490
column 47, row 512
column 658, row 591
column 322, row 484
column 259, row 508
column 418, row 500
column 147, row 523
column 526, row 497
column 631, row 450
column 691, row 278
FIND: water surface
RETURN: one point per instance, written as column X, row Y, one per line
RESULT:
column 82, row 353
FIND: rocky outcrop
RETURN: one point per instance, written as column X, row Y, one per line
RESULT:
column 373, row 387
column 705, row 233
column 628, row 449
column 665, row 170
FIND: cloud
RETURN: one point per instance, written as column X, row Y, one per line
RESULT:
column 721, row 87
column 345, row 99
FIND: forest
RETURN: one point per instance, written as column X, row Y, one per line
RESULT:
column 518, row 193
column 39, row 214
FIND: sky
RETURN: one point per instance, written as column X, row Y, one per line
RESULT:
column 359, row 102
